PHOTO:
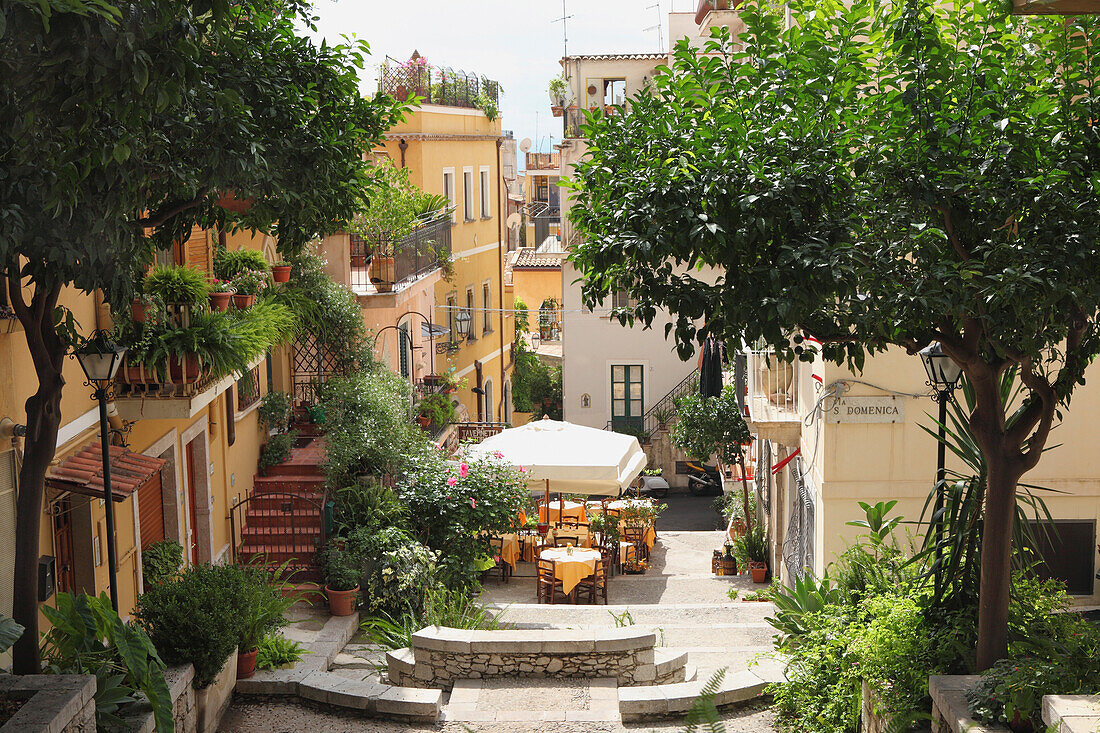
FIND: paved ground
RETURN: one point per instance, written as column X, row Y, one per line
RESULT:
column 678, row 596
column 687, row 513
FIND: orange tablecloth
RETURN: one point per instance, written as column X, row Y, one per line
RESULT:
column 573, row 510
column 510, row 551
column 572, row 564
column 582, row 537
column 650, row 535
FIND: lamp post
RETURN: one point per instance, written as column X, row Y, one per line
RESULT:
column 462, row 322
column 99, row 356
column 943, row 377
column 407, row 335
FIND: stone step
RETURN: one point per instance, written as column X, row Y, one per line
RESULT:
column 637, row 703
column 669, row 663
column 401, row 662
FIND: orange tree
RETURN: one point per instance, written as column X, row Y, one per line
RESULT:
column 120, row 126
column 871, row 174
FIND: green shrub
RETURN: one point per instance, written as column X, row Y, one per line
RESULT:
column 277, row 449
column 266, row 597
column 342, row 564
column 398, row 570
column 251, row 282
column 275, row 411
column 275, row 650
column 88, row 637
column 367, row 504
column 161, row 561
column 177, row 284
column 453, row 608
column 196, row 618
column 229, row 264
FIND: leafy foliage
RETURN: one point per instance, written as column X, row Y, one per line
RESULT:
column 88, row 637
column 177, row 284
column 275, row 650
column 453, row 608
column 277, row 449
column 711, row 425
column 161, row 561
column 395, row 209
column 275, row 411
column 229, row 264
column 9, row 632
column 367, row 505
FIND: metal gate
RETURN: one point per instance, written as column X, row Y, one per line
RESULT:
column 312, row 364
column 282, row 525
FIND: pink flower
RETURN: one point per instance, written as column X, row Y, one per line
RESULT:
column 473, row 504
column 522, row 469
column 452, row 481
column 498, row 454
column 463, row 470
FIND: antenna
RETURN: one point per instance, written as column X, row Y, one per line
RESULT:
column 659, row 27
column 564, row 31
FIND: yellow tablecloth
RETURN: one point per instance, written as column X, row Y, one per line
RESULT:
column 572, row 567
column 626, row 552
column 582, row 537
column 510, row 551
column 650, row 535
column 573, row 510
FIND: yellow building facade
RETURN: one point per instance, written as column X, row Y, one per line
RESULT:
column 209, row 441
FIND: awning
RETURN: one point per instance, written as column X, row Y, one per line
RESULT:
column 82, row 472
column 431, row 330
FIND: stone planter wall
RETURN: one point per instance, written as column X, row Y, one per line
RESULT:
column 871, row 721
column 442, row 655
column 949, row 710
column 184, row 706
column 55, row 702
column 212, row 701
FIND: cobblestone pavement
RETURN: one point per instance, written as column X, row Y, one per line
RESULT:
column 678, row 596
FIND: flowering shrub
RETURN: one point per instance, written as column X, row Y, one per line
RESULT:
column 399, row 578
column 454, row 507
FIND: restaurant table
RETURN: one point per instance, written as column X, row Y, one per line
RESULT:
column 650, row 535
column 510, row 551
column 581, row 537
column 572, row 510
column 572, row 565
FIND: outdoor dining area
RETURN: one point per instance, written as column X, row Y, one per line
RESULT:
column 581, row 530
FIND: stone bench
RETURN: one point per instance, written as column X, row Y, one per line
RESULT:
column 638, row 703
column 441, row 655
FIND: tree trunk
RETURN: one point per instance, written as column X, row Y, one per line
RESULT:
column 996, row 569
column 43, row 420
column 745, row 489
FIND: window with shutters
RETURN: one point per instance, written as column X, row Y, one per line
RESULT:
column 196, row 249
column 449, row 188
column 486, row 305
column 468, row 193
column 473, row 315
column 486, row 194
column 151, row 511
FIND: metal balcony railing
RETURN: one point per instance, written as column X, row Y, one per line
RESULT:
column 772, row 387
column 436, row 84
column 380, row 267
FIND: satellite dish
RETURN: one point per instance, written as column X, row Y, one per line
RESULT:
column 525, row 144
column 514, row 220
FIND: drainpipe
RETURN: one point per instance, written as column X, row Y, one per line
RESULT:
column 500, row 274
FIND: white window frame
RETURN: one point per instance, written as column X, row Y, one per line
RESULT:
column 449, row 190
column 468, row 192
column 486, row 192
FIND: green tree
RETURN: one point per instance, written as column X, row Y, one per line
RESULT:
column 882, row 174
column 120, row 128
column 714, row 425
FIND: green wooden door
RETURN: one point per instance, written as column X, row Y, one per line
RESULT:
column 627, row 403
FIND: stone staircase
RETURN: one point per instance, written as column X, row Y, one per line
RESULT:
column 283, row 517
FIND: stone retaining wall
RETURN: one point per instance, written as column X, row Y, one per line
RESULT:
column 55, row 702
column 949, row 709
column 139, row 718
column 442, row 655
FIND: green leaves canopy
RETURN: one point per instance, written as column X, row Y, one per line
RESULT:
column 712, row 425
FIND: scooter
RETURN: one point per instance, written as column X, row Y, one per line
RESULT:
column 704, row 480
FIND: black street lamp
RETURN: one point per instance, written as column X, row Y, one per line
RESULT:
column 462, row 322
column 943, row 377
column 100, row 357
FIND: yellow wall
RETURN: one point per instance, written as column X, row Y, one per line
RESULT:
column 451, row 138
column 533, row 287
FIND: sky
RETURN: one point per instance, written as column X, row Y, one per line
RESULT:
column 514, row 42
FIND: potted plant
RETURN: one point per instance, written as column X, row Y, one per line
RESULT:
column 220, row 294
column 261, row 604
column 278, row 652
column 276, row 450
column 228, row 264
column 663, row 415
column 753, row 546
column 276, row 411
column 437, row 408
column 343, row 568
column 558, row 91
column 177, row 285
column 248, row 284
column 280, row 272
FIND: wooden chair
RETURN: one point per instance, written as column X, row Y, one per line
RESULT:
column 596, row 584
column 546, row 582
column 636, row 537
column 572, row 523
column 497, row 546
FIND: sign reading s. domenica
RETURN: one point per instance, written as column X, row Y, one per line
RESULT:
column 867, row 410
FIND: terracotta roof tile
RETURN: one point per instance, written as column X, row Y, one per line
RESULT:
column 82, row 472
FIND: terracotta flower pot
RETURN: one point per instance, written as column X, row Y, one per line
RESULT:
column 140, row 374
column 220, row 301
column 137, row 310
column 185, row 370
column 557, row 111
column 423, row 421
column 281, row 273
column 243, row 302
column 341, row 602
column 246, row 664
column 759, row 571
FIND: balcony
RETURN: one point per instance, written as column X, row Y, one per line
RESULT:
column 436, row 84
column 181, row 393
column 543, row 161
column 388, row 266
column 772, row 399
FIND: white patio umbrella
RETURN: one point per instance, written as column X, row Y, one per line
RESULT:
column 567, row 457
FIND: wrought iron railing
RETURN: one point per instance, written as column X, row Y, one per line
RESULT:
column 436, row 84
column 772, row 386
column 663, row 412
column 380, row 267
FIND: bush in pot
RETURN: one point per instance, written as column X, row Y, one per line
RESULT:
column 276, row 450
column 177, row 284
column 753, row 546
column 228, row 264
column 221, row 292
column 343, row 567
column 263, row 603
column 248, row 285
column 276, row 411
column 280, row 271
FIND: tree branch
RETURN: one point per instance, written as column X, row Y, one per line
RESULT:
column 1038, row 415
column 952, row 236
column 162, row 217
